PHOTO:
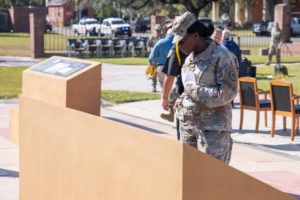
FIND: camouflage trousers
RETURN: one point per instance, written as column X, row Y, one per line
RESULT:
column 215, row 143
column 173, row 95
column 160, row 76
column 274, row 50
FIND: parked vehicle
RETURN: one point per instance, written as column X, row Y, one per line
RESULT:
column 143, row 25
column 87, row 26
column 48, row 26
column 115, row 27
column 269, row 28
column 295, row 26
column 261, row 28
column 207, row 20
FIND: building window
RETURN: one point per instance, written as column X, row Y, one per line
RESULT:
column 52, row 13
column 59, row 13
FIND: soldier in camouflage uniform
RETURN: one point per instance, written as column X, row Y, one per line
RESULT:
column 209, row 76
column 275, row 45
column 154, row 37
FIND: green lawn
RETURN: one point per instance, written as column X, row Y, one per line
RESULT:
column 262, row 59
column 293, row 77
column 242, row 32
column 11, row 84
column 14, row 44
column 116, row 96
column 18, row 44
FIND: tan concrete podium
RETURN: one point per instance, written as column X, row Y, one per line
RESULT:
column 68, row 82
column 67, row 154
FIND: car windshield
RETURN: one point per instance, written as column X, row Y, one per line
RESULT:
column 118, row 22
column 92, row 22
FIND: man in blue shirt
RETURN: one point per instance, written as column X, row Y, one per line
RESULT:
column 158, row 57
column 231, row 46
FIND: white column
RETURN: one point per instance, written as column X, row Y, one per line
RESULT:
column 236, row 13
column 215, row 11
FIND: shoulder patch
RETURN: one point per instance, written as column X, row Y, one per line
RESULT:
column 232, row 76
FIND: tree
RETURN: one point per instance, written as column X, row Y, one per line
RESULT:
column 20, row 3
column 248, row 4
column 194, row 6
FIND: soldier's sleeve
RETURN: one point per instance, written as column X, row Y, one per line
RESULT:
column 226, row 87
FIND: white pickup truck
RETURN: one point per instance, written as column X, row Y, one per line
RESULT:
column 295, row 26
column 87, row 27
column 115, row 27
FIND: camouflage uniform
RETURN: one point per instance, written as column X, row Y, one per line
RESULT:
column 276, row 41
column 153, row 39
column 204, row 110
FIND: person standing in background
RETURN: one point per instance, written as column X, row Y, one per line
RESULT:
column 158, row 34
column 158, row 57
column 231, row 46
column 275, row 45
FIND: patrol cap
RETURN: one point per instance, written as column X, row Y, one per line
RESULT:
column 181, row 24
column 157, row 27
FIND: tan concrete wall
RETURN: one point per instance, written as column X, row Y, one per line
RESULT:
column 66, row 154
column 14, row 125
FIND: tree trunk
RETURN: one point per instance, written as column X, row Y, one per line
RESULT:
column 266, row 10
column 248, row 17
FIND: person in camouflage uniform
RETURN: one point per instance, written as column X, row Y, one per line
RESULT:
column 154, row 37
column 209, row 75
column 275, row 45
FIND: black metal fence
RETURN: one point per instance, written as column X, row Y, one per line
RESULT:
column 58, row 41
column 62, row 40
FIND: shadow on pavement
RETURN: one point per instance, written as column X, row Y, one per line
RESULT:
column 135, row 125
column 8, row 173
column 279, row 132
column 295, row 195
column 283, row 147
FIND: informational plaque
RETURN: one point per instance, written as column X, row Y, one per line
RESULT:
column 60, row 67
column 69, row 82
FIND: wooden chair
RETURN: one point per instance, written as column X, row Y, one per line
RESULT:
column 283, row 103
column 249, row 99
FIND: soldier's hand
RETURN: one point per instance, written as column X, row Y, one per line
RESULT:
column 165, row 103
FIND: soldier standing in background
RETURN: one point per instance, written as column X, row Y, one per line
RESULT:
column 209, row 76
column 275, row 45
column 158, row 57
column 154, row 37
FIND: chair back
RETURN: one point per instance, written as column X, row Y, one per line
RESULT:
column 281, row 96
column 247, row 90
